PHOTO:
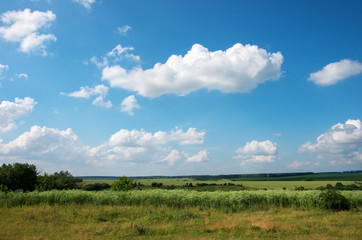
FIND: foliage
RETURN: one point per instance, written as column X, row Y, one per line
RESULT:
column 59, row 181
column 230, row 201
column 18, row 176
column 341, row 186
column 97, row 187
column 333, row 200
column 123, row 184
column 156, row 185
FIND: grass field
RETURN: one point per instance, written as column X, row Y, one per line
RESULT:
column 273, row 185
column 145, row 222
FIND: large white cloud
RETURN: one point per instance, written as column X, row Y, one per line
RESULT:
column 201, row 156
column 11, row 111
column 134, row 138
column 335, row 72
column 341, row 138
column 25, row 27
column 128, row 104
column 257, row 152
column 54, row 147
column 238, row 69
column 43, row 142
column 100, row 91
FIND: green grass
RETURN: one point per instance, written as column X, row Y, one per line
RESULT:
column 229, row 201
column 272, row 185
column 144, row 222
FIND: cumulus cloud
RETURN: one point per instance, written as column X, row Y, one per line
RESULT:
column 85, row 3
column 52, row 147
column 25, row 27
column 135, row 137
column 201, row 156
column 123, row 30
column 100, row 91
column 11, row 111
column 238, row 69
column 257, row 152
column 342, row 141
column 128, row 104
column 173, row 157
column 341, row 138
column 43, row 142
column 336, row 72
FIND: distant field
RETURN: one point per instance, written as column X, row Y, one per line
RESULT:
column 247, row 184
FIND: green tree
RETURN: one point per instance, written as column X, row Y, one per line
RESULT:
column 59, row 180
column 123, row 184
column 18, row 176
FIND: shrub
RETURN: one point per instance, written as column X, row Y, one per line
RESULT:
column 59, row 181
column 123, row 184
column 97, row 187
column 333, row 200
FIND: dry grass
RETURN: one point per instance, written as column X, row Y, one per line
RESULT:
column 126, row 222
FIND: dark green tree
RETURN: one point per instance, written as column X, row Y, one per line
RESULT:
column 18, row 176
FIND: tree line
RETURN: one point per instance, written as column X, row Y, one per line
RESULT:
column 25, row 177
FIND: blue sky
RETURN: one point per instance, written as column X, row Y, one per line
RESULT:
column 181, row 87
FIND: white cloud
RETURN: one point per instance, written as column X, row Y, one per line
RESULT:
column 119, row 53
column 173, row 157
column 11, row 111
column 100, row 91
column 257, row 152
column 134, row 137
column 238, row 69
column 3, row 68
column 128, row 104
column 335, row 72
column 58, row 148
column 340, row 138
column 42, row 142
column 98, row 63
column 342, row 141
column 123, row 30
column 85, row 3
column 24, row 27
column 294, row 165
column 99, row 101
column 201, row 156
column 23, row 75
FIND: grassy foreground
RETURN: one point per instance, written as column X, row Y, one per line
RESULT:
column 76, row 221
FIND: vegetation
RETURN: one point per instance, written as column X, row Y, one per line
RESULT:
column 96, row 187
column 59, row 181
column 230, row 201
column 123, row 184
column 18, row 176
column 76, row 221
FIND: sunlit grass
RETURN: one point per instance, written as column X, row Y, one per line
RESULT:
column 145, row 222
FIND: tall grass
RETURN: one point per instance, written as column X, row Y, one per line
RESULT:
column 233, row 201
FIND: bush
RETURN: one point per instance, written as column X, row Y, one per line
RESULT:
column 123, row 184
column 97, row 187
column 332, row 200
